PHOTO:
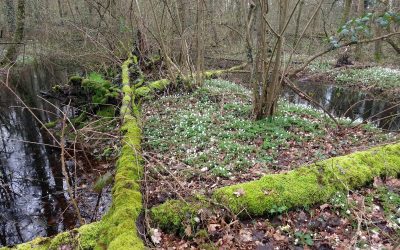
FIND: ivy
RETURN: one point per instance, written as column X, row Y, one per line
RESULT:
column 358, row 27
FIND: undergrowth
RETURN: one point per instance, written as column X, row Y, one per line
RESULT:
column 377, row 76
column 211, row 129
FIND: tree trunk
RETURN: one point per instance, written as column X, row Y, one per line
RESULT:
column 360, row 12
column 380, row 8
column 296, row 32
column 272, row 85
column 10, row 15
column 60, row 11
column 199, row 42
column 346, row 12
column 183, row 58
column 11, row 54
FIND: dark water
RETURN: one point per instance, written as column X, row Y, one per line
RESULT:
column 354, row 104
column 32, row 197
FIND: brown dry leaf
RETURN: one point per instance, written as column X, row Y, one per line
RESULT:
column 188, row 231
column 239, row 192
column 212, row 227
column 278, row 236
column 183, row 246
column 377, row 182
column 227, row 239
column 323, row 206
column 393, row 182
column 245, row 235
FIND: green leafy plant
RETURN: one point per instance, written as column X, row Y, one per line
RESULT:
column 278, row 209
column 303, row 238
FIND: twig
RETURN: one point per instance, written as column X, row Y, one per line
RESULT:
column 65, row 173
column 306, row 97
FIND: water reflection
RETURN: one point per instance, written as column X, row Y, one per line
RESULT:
column 356, row 105
column 32, row 199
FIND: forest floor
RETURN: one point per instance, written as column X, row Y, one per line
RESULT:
column 196, row 142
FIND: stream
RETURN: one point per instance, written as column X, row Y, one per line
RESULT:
column 33, row 197
column 348, row 103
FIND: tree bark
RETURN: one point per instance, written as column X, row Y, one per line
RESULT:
column 271, row 85
column 10, row 15
column 394, row 45
column 378, row 53
column 11, row 54
column 346, row 11
column 296, row 32
column 360, row 12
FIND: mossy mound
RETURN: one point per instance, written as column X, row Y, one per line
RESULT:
column 173, row 214
column 101, row 90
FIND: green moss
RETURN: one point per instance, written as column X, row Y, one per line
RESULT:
column 84, row 238
column 39, row 243
column 152, row 87
column 118, row 229
column 51, row 124
column 159, row 85
column 126, row 90
column 213, row 73
column 143, row 91
column 100, row 89
column 75, row 80
column 78, row 121
column 60, row 240
column 311, row 184
column 88, row 235
column 171, row 215
column 106, row 112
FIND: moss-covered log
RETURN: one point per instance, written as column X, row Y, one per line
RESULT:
column 118, row 230
column 159, row 85
column 84, row 237
column 301, row 187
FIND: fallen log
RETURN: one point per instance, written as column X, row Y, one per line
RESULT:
column 302, row 187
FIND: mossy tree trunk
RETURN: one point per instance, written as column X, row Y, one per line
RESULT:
column 11, row 54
